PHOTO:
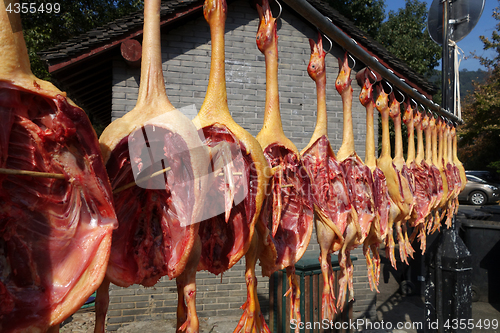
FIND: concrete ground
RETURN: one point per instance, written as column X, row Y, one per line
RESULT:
column 394, row 308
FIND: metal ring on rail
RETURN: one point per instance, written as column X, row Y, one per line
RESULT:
column 281, row 10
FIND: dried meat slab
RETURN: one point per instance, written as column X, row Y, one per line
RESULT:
column 54, row 233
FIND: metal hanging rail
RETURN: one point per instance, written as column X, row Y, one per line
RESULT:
column 328, row 28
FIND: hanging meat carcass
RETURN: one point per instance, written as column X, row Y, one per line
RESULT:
column 226, row 236
column 385, row 209
column 393, row 178
column 358, row 176
column 335, row 218
column 435, row 222
column 424, row 200
column 406, row 181
column 158, row 229
column 288, row 211
column 446, row 175
column 453, row 174
column 56, row 212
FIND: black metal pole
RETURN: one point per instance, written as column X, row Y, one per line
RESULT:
column 449, row 279
column 445, row 84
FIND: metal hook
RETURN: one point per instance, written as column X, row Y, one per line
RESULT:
column 404, row 97
column 431, row 112
column 368, row 77
column 331, row 43
column 281, row 10
column 390, row 86
column 421, row 107
column 354, row 60
column 416, row 104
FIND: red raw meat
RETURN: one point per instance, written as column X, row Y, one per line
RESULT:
column 55, row 233
column 224, row 243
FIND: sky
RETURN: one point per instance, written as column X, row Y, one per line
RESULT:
column 485, row 26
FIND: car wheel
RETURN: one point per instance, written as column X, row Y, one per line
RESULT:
column 478, row 198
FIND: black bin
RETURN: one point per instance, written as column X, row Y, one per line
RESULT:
column 482, row 238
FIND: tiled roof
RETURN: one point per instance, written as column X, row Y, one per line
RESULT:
column 107, row 33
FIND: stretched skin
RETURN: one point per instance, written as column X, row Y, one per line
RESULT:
column 288, row 210
column 55, row 234
column 334, row 214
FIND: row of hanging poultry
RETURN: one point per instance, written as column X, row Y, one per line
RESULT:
column 264, row 193
column 200, row 195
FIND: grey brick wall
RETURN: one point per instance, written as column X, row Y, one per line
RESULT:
column 186, row 66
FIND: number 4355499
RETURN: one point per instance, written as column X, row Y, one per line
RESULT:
column 31, row 7
column 463, row 324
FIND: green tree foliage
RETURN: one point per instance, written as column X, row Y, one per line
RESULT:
column 405, row 35
column 468, row 78
column 365, row 14
column 43, row 30
column 480, row 135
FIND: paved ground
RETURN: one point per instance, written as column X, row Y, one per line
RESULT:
column 392, row 307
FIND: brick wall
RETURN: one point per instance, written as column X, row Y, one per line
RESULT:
column 186, row 65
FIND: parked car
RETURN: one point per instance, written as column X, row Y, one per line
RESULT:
column 488, row 176
column 479, row 191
